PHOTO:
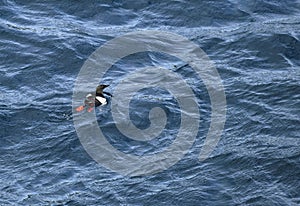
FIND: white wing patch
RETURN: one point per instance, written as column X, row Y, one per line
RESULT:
column 101, row 100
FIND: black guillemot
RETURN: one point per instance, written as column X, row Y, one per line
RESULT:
column 92, row 100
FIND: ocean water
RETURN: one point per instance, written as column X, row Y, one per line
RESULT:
column 255, row 47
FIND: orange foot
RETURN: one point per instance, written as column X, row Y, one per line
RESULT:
column 80, row 108
column 90, row 109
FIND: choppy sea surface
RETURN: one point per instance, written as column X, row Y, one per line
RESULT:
column 255, row 47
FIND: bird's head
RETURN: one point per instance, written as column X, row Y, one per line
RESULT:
column 102, row 86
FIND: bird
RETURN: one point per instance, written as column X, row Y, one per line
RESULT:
column 92, row 101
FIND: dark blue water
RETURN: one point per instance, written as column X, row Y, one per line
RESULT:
column 256, row 49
